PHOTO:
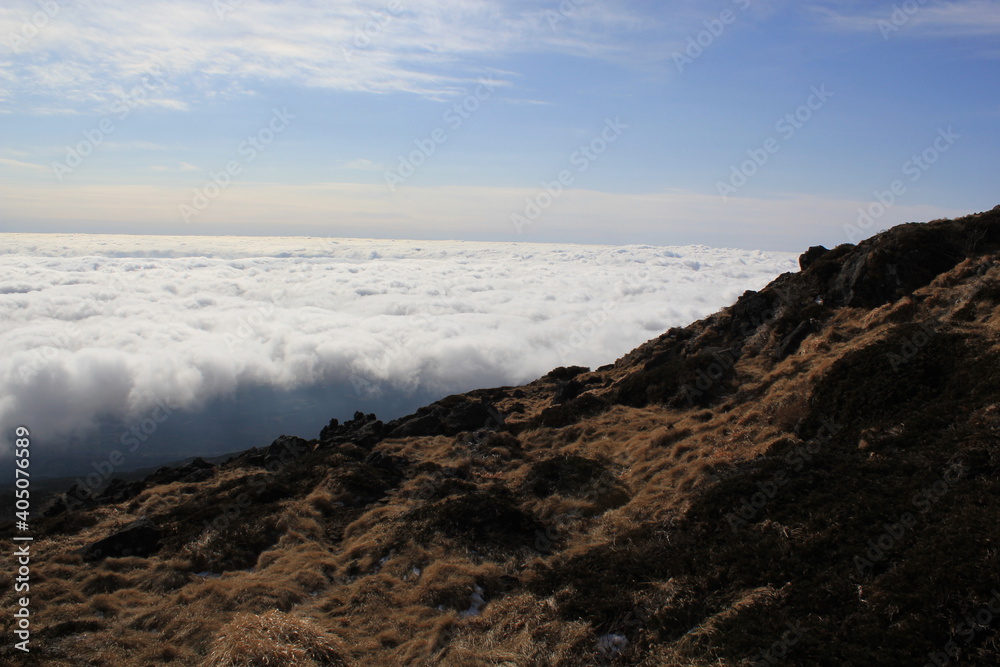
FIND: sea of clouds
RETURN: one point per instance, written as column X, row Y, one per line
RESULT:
column 97, row 327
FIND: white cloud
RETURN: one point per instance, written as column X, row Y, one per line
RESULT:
column 963, row 18
column 134, row 145
column 108, row 325
column 90, row 53
column 527, row 102
column 18, row 164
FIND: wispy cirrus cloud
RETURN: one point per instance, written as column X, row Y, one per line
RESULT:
column 135, row 146
column 92, row 52
column 962, row 18
column 18, row 164
column 363, row 164
column 180, row 166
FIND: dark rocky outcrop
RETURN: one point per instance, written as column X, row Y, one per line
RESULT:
column 811, row 255
column 197, row 470
column 140, row 539
column 120, row 491
column 567, row 391
column 449, row 416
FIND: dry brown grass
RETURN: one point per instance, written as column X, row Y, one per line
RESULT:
column 307, row 562
column 274, row 638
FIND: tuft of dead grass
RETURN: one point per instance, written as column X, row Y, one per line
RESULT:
column 274, row 638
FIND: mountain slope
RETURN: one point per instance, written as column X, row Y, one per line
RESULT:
column 809, row 477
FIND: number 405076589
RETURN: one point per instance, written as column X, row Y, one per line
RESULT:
column 22, row 460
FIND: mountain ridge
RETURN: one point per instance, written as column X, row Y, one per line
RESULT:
column 762, row 486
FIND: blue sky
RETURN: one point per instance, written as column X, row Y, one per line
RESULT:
column 303, row 117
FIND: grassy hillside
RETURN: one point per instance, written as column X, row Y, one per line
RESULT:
column 809, row 477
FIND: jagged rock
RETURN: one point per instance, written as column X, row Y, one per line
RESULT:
column 140, row 538
column 120, row 491
column 197, row 470
column 449, row 416
column 567, row 391
column 896, row 262
column 751, row 311
column 564, row 373
column 790, row 343
column 285, row 448
column 811, row 255
column 363, row 430
column 76, row 497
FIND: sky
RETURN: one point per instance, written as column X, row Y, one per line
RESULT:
column 764, row 124
column 210, row 345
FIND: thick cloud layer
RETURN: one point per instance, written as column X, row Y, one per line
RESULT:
column 98, row 327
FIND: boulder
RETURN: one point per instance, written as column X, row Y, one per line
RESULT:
column 141, row 539
column 811, row 255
